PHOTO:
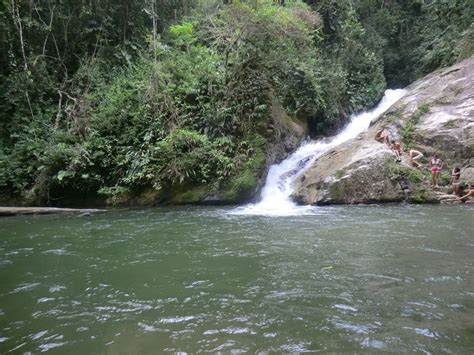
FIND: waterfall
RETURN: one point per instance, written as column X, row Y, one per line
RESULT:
column 275, row 196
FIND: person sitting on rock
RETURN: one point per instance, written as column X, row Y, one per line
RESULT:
column 383, row 136
column 468, row 196
column 436, row 164
column 455, row 181
column 415, row 156
column 397, row 150
column 380, row 135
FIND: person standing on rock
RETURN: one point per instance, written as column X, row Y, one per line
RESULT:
column 415, row 156
column 455, row 181
column 436, row 164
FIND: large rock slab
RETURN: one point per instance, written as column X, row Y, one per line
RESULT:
column 436, row 115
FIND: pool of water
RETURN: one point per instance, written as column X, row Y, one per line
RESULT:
column 193, row 279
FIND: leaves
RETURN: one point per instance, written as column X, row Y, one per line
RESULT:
column 108, row 100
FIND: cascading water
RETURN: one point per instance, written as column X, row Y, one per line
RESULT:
column 275, row 196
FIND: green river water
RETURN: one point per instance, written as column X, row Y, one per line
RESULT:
column 394, row 279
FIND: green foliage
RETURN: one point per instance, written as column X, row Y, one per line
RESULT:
column 417, row 37
column 242, row 186
column 365, row 80
column 447, row 33
column 408, row 130
column 397, row 172
column 183, row 33
column 351, row 72
column 444, row 178
column 106, row 97
column 339, row 174
column 188, row 155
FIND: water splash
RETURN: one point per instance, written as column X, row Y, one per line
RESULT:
column 275, row 196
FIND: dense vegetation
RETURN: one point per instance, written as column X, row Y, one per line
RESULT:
column 174, row 98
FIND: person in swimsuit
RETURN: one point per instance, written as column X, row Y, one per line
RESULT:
column 467, row 196
column 436, row 164
column 397, row 150
column 415, row 156
column 455, row 181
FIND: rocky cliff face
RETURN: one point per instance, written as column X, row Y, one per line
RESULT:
column 436, row 115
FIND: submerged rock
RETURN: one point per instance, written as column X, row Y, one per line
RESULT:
column 436, row 115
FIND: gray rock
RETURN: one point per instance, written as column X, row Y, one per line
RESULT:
column 436, row 115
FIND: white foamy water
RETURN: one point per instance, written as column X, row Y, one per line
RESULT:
column 275, row 196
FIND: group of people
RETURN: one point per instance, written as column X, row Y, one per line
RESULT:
column 435, row 165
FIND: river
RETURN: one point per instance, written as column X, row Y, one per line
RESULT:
column 345, row 279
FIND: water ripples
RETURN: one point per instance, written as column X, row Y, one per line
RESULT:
column 208, row 280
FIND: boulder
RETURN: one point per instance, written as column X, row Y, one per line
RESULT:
column 436, row 115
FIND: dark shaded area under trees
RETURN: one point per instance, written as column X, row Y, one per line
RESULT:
column 114, row 97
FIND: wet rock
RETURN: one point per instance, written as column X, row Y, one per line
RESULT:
column 295, row 171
